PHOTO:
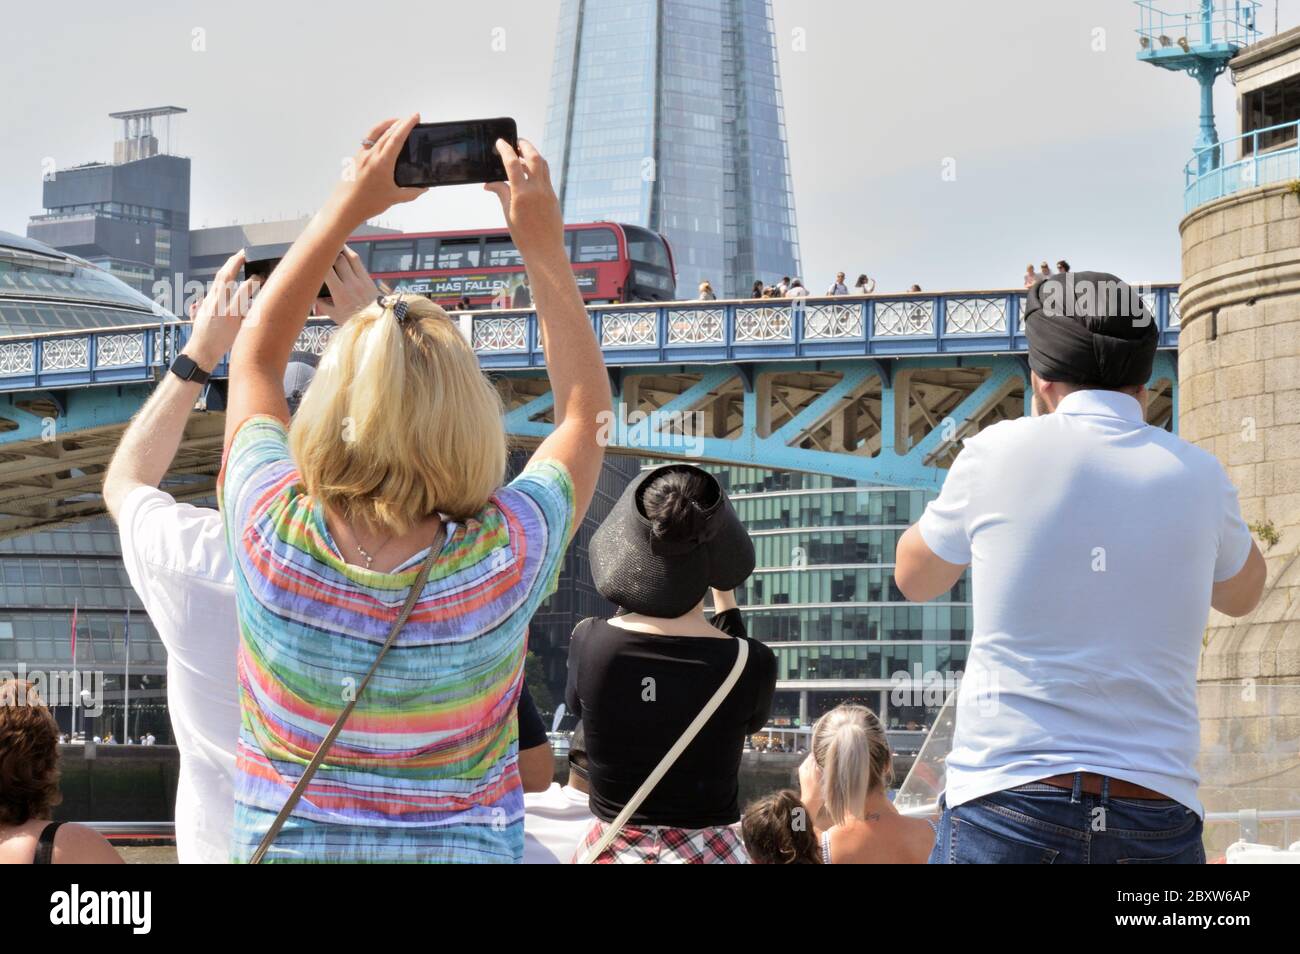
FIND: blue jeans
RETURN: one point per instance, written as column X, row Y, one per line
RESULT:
column 1040, row 824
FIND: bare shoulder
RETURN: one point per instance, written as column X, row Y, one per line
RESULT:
column 18, row 844
column 78, row 845
column 920, row 835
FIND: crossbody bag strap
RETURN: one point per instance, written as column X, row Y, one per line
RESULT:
column 411, row 598
column 680, row 746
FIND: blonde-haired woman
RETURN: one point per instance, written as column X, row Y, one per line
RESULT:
column 845, row 782
column 392, row 470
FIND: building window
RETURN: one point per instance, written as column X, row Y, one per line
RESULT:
column 1271, row 105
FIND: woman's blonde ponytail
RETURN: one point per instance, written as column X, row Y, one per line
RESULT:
column 852, row 755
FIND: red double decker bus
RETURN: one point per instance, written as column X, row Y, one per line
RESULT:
column 612, row 263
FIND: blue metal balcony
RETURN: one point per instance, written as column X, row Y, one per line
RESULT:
column 1181, row 40
column 1257, row 158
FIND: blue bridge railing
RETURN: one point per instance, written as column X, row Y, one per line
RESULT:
column 957, row 322
column 695, row 332
column 1257, row 158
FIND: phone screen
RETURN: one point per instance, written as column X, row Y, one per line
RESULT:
column 439, row 154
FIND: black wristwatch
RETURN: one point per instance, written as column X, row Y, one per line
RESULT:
column 186, row 369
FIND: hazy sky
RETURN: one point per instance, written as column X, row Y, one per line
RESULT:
column 1060, row 149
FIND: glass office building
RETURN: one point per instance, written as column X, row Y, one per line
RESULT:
column 48, row 575
column 823, row 597
column 667, row 114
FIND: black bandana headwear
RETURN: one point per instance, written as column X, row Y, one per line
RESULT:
column 1090, row 328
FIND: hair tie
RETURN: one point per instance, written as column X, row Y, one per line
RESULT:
column 395, row 302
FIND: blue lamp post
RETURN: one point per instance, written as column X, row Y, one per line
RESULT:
column 1199, row 42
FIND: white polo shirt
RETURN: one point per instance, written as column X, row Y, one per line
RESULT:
column 1094, row 540
column 176, row 559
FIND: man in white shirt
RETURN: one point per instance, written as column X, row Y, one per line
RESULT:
column 838, row 287
column 556, row 821
column 176, row 558
column 1097, row 545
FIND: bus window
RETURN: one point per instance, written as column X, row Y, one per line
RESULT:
column 646, row 247
column 501, row 251
column 426, row 253
column 458, row 253
column 393, row 257
column 363, row 252
column 595, row 245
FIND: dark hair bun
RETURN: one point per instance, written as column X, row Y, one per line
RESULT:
column 676, row 504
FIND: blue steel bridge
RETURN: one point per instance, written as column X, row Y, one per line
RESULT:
column 880, row 389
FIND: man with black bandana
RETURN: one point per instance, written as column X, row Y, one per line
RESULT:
column 1097, row 545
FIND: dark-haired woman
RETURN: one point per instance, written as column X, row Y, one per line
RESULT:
column 778, row 830
column 29, row 788
column 640, row 679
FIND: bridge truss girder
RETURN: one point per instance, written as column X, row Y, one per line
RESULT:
column 895, row 421
column 55, row 447
column 898, row 422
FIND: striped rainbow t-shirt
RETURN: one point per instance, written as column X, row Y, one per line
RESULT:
column 425, row 769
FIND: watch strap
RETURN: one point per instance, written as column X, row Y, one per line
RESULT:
column 187, row 369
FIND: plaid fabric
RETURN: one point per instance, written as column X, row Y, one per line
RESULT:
column 658, row 845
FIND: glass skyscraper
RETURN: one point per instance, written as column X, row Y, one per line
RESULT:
column 667, row 114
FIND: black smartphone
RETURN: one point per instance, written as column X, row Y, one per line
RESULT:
column 261, row 260
column 439, row 154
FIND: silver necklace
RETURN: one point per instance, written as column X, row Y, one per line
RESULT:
column 365, row 554
column 370, row 557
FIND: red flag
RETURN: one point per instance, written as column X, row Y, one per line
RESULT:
column 74, row 632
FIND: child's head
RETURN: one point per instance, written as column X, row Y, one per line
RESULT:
column 778, row 831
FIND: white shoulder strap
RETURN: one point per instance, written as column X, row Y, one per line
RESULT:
column 692, row 730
